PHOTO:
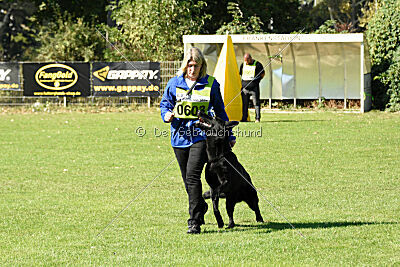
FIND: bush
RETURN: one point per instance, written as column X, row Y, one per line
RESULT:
column 67, row 39
column 383, row 35
column 391, row 78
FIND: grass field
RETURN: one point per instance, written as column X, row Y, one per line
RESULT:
column 64, row 177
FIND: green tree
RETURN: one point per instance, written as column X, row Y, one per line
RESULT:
column 218, row 10
column 239, row 25
column 69, row 39
column 25, row 25
column 282, row 16
column 153, row 29
column 90, row 11
column 392, row 80
column 383, row 35
column 368, row 12
column 16, row 32
column 332, row 27
column 277, row 16
column 347, row 14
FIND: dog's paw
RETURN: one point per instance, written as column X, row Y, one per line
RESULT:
column 260, row 219
column 230, row 225
column 220, row 224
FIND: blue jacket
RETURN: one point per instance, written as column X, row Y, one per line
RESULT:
column 183, row 132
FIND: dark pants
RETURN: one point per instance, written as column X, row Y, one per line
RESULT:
column 255, row 93
column 191, row 161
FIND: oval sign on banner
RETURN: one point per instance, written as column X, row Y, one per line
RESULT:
column 56, row 77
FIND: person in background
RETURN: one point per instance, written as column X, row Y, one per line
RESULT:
column 184, row 95
column 251, row 72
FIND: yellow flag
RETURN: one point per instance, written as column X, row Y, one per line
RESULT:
column 227, row 74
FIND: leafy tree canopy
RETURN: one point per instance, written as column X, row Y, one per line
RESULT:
column 16, row 33
column 239, row 25
column 347, row 14
column 153, row 29
column 69, row 39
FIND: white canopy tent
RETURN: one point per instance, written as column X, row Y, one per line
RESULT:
column 300, row 66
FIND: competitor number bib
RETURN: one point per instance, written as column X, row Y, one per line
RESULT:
column 187, row 106
column 189, row 109
column 249, row 71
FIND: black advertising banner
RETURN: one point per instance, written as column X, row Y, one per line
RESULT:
column 56, row 79
column 9, row 76
column 126, row 78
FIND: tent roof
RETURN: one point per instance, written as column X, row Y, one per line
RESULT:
column 276, row 38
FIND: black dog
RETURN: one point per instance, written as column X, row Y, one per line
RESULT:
column 224, row 174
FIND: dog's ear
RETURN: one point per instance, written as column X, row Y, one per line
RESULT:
column 203, row 115
column 231, row 124
column 220, row 121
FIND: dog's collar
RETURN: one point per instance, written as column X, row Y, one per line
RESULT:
column 216, row 159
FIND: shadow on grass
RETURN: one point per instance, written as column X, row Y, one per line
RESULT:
column 268, row 227
column 279, row 121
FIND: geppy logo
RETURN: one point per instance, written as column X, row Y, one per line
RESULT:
column 106, row 73
column 3, row 74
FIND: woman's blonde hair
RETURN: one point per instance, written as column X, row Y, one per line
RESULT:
column 196, row 55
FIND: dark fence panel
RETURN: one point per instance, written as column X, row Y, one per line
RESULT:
column 126, row 79
column 15, row 97
column 56, row 79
